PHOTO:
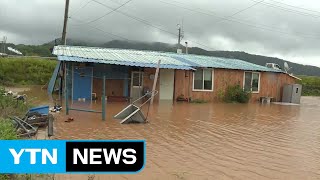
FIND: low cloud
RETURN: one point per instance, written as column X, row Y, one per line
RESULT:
column 292, row 34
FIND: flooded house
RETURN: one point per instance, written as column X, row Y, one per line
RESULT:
column 130, row 73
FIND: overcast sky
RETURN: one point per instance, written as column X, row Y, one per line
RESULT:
column 288, row 29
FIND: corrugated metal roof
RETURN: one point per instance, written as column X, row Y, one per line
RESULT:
column 150, row 59
column 118, row 56
column 124, row 63
column 224, row 63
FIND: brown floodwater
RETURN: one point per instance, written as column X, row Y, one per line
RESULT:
column 211, row 140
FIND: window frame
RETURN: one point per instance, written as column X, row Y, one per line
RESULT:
column 244, row 80
column 212, row 79
column 140, row 75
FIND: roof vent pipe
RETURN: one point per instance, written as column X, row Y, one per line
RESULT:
column 186, row 47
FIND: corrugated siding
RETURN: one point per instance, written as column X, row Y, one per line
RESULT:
column 150, row 59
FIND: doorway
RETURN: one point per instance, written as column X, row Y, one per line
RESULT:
column 136, row 85
column 166, row 84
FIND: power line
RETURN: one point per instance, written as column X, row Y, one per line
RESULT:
column 242, row 10
column 105, row 32
column 77, row 10
column 305, row 9
column 113, row 10
column 135, row 18
column 256, row 26
column 277, row 6
column 149, row 23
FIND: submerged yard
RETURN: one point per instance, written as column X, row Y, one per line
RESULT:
column 210, row 140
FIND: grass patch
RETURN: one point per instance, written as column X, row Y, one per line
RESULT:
column 310, row 85
column 7, row 130
column 24, row 71
column 11, row 107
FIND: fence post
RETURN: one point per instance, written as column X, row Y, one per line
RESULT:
column 104, row 98
column 66, row 96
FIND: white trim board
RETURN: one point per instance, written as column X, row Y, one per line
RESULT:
column 244, row 78
column 204, row 90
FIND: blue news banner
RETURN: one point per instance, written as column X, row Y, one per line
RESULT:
column 63, row 156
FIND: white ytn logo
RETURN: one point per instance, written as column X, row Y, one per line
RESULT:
column 45, row 154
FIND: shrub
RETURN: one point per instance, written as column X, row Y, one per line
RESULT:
column 310, row 86
column 24, row 71
column 10, row 106
column 220, row 94
column 236, row 94
column 7, row 130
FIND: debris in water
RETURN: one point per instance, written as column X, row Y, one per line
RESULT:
column 70, row 119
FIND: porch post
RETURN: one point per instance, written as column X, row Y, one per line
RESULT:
column 104, row 98
column 125, row 86
column 66, row 95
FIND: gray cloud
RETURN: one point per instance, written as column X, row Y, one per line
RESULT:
column 260, row 29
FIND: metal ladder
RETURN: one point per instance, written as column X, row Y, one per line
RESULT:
column 132, row 113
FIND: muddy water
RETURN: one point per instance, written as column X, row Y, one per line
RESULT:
column 213, row 140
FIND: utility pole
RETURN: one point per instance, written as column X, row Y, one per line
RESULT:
column 186, row 47
column 4, row 44
column 63, row 79
column 179, row 36
column 180, row 31
column 64, row 32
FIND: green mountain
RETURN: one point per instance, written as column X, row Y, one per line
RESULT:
column 45, row 50
column 298, row 69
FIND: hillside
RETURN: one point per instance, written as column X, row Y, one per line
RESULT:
column 45, row 50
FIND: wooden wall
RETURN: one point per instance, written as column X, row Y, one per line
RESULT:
column 114, row 87
column 271, row 84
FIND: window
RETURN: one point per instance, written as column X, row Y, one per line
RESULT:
column 203, row 80
column 252, row 81
column 137, row 79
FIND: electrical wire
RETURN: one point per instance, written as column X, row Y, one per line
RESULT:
column 105, row 32
column 135, row 18
column 113, row 10
column 277, row 6
column 111, row 34
column 256, row 26
column 77, row 10
column 150, row 24
column 242, row 10
column 305, row 9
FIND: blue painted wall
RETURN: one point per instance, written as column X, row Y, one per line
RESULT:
column 82, row 86
column 113, row 72
column 110, row 71
column 82, row 82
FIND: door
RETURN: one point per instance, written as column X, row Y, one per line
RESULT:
column 166, row 84
column 296, row 93
column 82, row 83
column 136, row 85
